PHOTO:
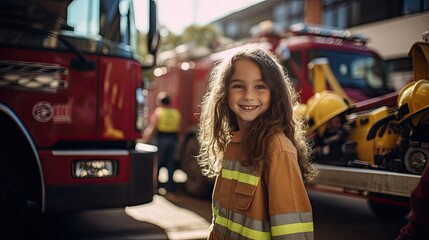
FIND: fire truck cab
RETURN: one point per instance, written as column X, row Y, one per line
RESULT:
column 358, row 69
column 71, row 105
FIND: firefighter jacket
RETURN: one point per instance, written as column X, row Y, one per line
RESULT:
column 418, row 225
column 269, row 205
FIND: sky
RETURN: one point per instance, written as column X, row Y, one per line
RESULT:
column 176, row 15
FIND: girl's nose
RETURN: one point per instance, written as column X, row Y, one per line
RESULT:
column 248, row 94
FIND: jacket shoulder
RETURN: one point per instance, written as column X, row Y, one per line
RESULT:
column 280, row 143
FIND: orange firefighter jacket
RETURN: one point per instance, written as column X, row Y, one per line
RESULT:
column 269, row 205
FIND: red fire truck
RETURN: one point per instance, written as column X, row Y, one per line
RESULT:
column 358, row 69
column 71, row 105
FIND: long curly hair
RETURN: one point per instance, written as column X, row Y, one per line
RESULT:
column 218, row 122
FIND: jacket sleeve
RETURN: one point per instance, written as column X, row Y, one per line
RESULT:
column 417, row 227
column 289, row 206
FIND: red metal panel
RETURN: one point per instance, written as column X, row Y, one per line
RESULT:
column 118, row 81
column 66, row 113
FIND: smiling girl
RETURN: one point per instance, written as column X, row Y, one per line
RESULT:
column 251, row 142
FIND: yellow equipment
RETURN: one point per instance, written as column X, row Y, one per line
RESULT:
column 322, row 75
column 413, row 104
column 322, row 107
column 376, row 138
column 413, row 100
column 384, row 136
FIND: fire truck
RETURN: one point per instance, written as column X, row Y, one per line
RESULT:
column 71, row 105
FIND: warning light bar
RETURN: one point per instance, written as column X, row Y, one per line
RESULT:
column 323, row 31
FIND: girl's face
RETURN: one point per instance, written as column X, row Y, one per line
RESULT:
column 248, row 94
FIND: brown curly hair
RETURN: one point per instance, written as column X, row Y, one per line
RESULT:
column 218, row 122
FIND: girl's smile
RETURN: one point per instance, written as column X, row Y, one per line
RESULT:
column 248, row 94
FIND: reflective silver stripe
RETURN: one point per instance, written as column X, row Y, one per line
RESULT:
column 293, row 226
column 232, row 235
column 291, row 223
column 233, row 170
column 235, row 235
column 234, row 227
column 216, row 204
column 258, row 225
column 288, row 218
column 237, row 166
column 239, row 176
column 90, row 153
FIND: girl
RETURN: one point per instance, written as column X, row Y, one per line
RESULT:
column 251, row 142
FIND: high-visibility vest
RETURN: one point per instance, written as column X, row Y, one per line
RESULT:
column 168, row 120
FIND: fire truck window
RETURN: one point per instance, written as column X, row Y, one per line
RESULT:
column 366, row 69
column 290, row 72
column 297, row 58
column 354, row 70
column 83, row 15
column 292, row 65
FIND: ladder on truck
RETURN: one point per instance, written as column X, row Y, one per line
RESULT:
column 368, row 180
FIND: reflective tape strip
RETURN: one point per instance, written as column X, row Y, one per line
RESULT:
column 230, row 234
column 291, row 223
column 215, row 208
column 296, row 225
column 258, row 225
column 242, row 230
column 287, row 218
column 237, row 166
column 241, row 177
column 292, row 228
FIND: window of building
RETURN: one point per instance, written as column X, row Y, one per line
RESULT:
column 288, row 12
column 232, row 29
column 345, row 14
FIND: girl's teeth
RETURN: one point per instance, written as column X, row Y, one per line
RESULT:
column 248, row 107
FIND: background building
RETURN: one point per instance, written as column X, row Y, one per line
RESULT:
column 392, row 25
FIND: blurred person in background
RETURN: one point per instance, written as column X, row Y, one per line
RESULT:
column 164, row 122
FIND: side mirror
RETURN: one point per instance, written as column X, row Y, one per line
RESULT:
column 154, row 37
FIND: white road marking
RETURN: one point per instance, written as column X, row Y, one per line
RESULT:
column 178, row 223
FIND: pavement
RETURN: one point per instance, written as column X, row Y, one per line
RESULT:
column 178, row 223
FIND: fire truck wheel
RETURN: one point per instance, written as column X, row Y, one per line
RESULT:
column 12, row 200
column 388, row 207
column 196, row 185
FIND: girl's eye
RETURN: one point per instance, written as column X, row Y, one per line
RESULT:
column 239, row 86
column 261, row 86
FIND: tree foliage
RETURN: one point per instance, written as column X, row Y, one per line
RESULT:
column 194, row 35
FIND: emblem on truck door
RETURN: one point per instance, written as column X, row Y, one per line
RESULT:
column 42, row 111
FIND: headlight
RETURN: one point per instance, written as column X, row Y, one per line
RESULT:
column 94, row 169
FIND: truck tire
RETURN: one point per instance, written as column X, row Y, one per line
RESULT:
column 196, row 184
column 388, row 207
column 12, row 201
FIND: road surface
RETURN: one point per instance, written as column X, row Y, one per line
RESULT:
column 179, row 216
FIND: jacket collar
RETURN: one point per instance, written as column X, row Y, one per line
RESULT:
column 238, row 136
